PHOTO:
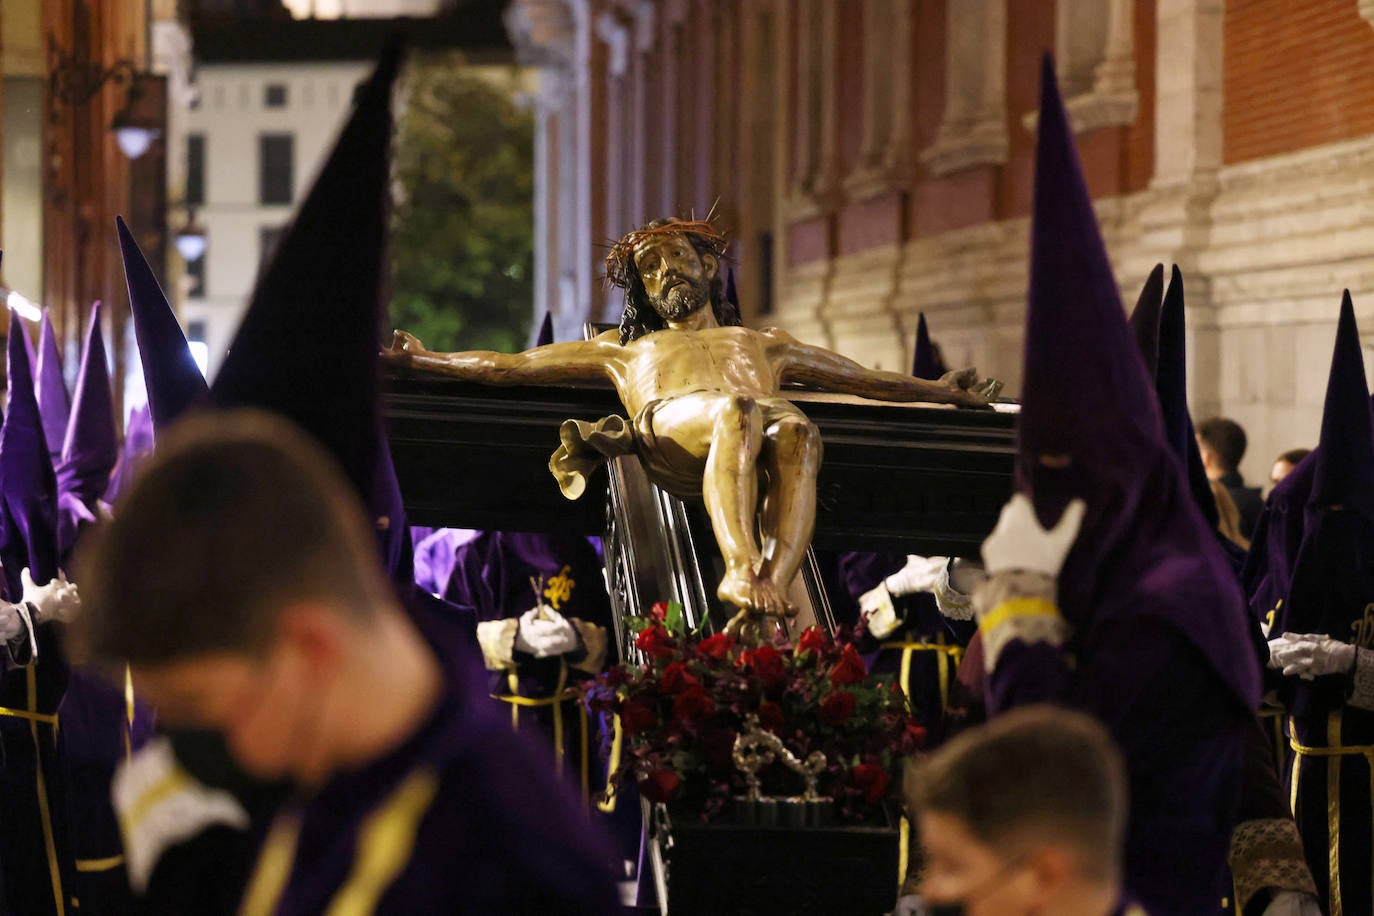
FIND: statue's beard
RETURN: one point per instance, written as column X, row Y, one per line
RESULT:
column 681, row 300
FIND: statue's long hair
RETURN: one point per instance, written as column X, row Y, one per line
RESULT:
column 639, row 317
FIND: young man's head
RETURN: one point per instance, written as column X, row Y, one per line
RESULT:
column 238, row 582
column 1284, row 464
column 1222, row 443
column 1023, row 815
column 669, row 269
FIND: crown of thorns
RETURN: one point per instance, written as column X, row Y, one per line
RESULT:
column 620, row 261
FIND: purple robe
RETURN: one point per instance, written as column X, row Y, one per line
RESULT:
column 34, row 849
column 54, row 404
column 1332, row 593
column 485, row 826
column 1176, row 686
column 89, row 451
column 492, row 573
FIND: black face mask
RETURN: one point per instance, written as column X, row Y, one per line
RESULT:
column 204, row 754
column 943, row 909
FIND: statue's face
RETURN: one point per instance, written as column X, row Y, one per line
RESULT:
column 676, row 278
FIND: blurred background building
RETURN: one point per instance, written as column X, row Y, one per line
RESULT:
column 870, row 159
column 873, row 158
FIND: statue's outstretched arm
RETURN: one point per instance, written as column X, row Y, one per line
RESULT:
column 551, row 364
column 829, row 371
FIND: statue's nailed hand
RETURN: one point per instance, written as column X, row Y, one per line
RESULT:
column 403, row 347
column 969, row 390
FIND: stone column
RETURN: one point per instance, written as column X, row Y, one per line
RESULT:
column 973, row 129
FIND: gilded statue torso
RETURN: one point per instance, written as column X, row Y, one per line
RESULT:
column 671, row 363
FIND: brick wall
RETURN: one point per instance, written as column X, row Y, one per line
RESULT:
column 1297, row 74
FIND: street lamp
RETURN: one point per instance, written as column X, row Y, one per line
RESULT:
column 191, row 240
column 75, row 79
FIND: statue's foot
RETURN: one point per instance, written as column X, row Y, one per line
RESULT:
column 749, row 591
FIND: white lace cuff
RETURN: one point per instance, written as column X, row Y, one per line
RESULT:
column 1362, row 680
column 1267, row 853
column 1017, row 605
column 953, row 603
column 497, row 639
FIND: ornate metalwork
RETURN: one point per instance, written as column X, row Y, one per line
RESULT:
column 75, row 78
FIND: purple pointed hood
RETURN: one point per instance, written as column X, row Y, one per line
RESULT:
column 170, row 373
column 1171, row 382
column 28, row 488
column 308, row 345
column 545, row 331
column 1343, row 474
column 138, row 444
column 1333, row 576
column 90, row 449
column 1268, row 571
column 1090, row 428
column 925, row 362
column 54, row 404
column 1145, row 318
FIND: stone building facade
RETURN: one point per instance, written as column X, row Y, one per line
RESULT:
column 873, row 158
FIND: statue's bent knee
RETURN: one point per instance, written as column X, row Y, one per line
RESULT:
column 795, row 434
column 738, row 405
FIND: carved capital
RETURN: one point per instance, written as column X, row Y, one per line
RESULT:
column 542, row 32
column 1095, row 109
column 965, row 144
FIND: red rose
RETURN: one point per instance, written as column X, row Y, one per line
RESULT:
column 693, row 704
column 871, row 779
column 766, row 662
column 615, row 676
column 850, row 669
column 915, row 735
column 718, row 646
column 655, row 642
column 635, row 716
column 718, row 746
column 676, row 678
column 812, row 640
column 770, row 717
column 661, row 785
column 837, row 707
column 659, row 611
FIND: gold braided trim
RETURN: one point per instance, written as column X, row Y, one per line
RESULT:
column 109, row 863
column 43, row 718
column 946, row 654
column 1018, row 607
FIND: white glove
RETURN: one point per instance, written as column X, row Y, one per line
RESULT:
column 58, row 600
column 918, row 575
column 1019, row 542
column 544, row 632
column 875, row 606
column 160, row 805
column 1293, row 903
column 1310, row 655
column 11, row 620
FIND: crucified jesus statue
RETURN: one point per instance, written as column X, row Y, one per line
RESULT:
column 707, row 416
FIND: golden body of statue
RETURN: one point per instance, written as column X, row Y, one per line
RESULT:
column 704, row 396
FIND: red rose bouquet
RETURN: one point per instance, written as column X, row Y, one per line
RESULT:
column 682, row 708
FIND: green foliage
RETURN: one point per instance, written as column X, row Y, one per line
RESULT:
column 463, row 224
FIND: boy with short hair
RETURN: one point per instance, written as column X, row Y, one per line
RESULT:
column 241, row 584
column 1026, row 814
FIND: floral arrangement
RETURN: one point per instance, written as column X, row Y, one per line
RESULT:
column 681, row 710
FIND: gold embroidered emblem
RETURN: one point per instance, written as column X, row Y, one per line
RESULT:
column 1362, row 630
column 560, row 588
